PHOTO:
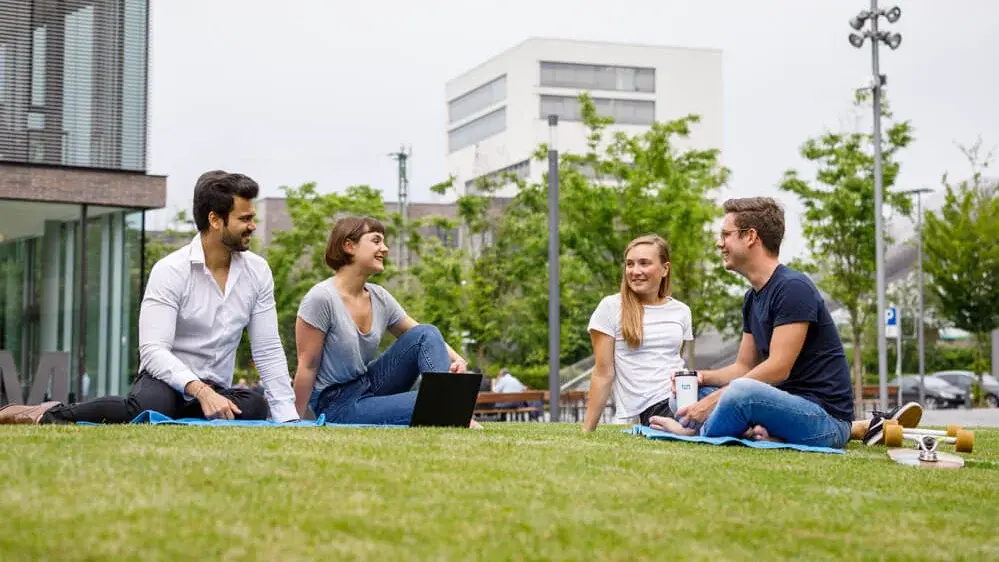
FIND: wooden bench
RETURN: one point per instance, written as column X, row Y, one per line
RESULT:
column 871, row 397
column 487, row 404
column 570, row 402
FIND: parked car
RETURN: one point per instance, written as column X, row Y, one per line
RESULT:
column 964, row 380
column 939, row 393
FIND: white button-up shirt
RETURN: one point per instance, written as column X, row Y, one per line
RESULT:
column 189, row 329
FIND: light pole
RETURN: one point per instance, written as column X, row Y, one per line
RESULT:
column 893, row 40
column 919, row 276
column 554, row 324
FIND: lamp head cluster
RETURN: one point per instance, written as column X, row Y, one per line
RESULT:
column 857, row 22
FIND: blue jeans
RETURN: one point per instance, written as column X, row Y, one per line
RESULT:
column 793, row 419
column 382, row 395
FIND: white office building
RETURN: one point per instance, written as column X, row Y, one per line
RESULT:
column 497, row 112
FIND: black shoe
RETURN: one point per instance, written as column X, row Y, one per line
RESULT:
column 907, row 415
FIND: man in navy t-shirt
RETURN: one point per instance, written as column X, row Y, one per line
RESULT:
column 791, row 380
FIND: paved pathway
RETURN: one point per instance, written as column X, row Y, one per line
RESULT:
column 978, row 417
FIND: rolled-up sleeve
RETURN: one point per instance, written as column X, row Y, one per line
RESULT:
column 268, row 353
column 157, row 328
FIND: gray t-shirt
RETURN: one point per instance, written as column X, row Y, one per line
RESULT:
column 346, row 351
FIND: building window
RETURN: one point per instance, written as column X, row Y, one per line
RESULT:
column 40, row 275
column 477, row 130
column 594, row 77
column 624, row 112
column 476, row 100
column 520, row 171
column 73, row 83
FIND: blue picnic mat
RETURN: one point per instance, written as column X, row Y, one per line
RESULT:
column 650, row 433
column 153, row 417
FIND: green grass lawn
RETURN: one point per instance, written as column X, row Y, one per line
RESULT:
column 511, row 491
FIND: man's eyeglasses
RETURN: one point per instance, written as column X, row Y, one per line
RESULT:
column 725, row 233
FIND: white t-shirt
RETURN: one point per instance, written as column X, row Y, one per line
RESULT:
column 642, row 374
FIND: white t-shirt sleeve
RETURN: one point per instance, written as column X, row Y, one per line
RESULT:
column 605, row 318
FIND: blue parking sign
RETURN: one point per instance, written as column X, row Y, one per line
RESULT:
column 891, row 322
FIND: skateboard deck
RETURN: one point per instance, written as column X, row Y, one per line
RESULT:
column 911, row 457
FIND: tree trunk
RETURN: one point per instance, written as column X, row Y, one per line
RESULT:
column 858, row 374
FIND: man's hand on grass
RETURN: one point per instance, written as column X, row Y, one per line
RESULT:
column 216, row 406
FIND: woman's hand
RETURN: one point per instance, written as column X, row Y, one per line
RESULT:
column 458, row 366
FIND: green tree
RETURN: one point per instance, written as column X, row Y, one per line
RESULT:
column 622, row 187
column 297, row 255
column 962, row 256
column 839, row 219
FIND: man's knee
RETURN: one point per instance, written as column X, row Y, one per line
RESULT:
column 252, row 404
column 149, row 393
column 743, row 388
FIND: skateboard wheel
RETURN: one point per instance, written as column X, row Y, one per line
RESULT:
column 952, row 429
column 964, row 441
column 891, row 422
column 893, row 435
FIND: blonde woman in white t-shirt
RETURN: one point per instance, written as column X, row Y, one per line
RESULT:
column 638, row 338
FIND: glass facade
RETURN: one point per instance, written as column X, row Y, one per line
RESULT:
column 498, row 178
column 40, row 290
column 624, row 112
column 486, row 95
column 73, row 82
column 598, row 77
column 478, row 130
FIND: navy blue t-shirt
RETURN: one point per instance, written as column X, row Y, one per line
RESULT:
column 821, row 372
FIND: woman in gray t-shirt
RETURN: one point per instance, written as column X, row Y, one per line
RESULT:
column 339, row 327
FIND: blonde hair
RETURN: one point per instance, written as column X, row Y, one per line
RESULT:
column 632, row 311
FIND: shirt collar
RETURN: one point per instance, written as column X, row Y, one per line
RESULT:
column 197, row 251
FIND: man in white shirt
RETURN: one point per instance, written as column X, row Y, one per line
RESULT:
column 197, row 302
column 505, row 382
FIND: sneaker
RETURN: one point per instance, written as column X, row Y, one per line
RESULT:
column 18, row 414
column 907, row 415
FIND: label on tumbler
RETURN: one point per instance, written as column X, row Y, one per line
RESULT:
column 686, row 388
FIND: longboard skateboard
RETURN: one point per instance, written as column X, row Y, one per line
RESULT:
column 962, row 439
column 925, row 454
column 914, row 457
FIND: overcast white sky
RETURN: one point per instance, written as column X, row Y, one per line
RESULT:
column 319, row 90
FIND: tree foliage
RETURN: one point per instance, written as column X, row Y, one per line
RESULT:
column 297, row 256
column 621, row 187
column 839, row 219
column 962, row 256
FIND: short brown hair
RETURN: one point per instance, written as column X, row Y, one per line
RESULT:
column 348, row 228
column 762, row 214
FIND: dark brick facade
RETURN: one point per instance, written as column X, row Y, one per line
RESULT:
column 77, row 185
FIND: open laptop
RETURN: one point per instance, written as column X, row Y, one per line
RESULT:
column 446, row 399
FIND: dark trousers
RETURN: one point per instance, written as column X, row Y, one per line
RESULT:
column 657, row 409
column 149, row 393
